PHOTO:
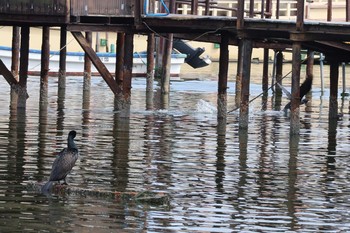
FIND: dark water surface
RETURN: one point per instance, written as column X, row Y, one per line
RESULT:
column 220, row 179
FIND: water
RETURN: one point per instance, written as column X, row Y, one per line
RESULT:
column 219, row 178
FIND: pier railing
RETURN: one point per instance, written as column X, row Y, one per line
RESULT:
column 320, row 10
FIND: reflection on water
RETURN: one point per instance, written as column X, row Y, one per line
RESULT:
column 220, row 178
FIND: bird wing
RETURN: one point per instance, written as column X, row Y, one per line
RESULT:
column 289, row 96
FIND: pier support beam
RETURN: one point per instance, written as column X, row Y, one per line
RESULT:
column 246, row 48
column 333, row 97
column 45, row 59
column 63, row 58
column 295, row 101
column 150, row 70
column 265, row 79
column 279, row 75
column 128, row 62
column 23, row 67
column 15, row 51
column 238, row 91
column 119, row 68
column 87, row 64
column 223, row 73
column 166, row 64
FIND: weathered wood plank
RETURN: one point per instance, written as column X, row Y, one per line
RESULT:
column 106, row 75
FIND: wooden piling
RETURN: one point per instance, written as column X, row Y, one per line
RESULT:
column 119, row 73
column 246, row 45
column 150, row 70
column 168, row 47
column 45, row 59
column 87, row 64
column 223, row 74
column 279, row 72
column 295, row 101
column 15, row 51
column 333, row 97
column 238, row 90
column 310, row 64
column 63, row 58
column 23, row 67
column 128, row 62
column 265, row 79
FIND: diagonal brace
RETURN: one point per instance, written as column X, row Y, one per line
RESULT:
column 102, row 69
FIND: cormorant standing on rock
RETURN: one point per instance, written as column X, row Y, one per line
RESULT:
column 64, row 162
column 304, row 89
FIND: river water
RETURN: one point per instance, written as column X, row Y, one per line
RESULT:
column 219, row 178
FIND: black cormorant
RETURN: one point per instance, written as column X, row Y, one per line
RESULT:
column 64, row 162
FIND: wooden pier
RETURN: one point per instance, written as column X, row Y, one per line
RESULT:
column 248, row 25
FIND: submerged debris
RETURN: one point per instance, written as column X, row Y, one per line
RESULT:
column 144, row 197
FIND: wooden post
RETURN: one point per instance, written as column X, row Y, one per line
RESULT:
column 329, row 10
column 279, row 72
column 63, row 57
column 310, row 64
column 246, row 45
column 119, row 69
column 239, row 74
column 128, row 62
column 168, row 47
column 333, row 98
column 87, row 64
column 240, row 14
column 251, row 8
column 300, row 15
column 194, row 7
column 150, row 70
column 207, row 7
column 278, row 9
column 295, row 101
column 45, row 59
column 223, row 74
column 15, row 51
column 265, row 78
column 347, row 7
column 23, row 67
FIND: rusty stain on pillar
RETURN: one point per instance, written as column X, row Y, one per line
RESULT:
column 63, row 58
column 333, row 97
column 150, row 70
column 23, row 67
column 295, row 101
column 87, row 65
column 45, row 58
column 246, row 45
column 223, row 74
